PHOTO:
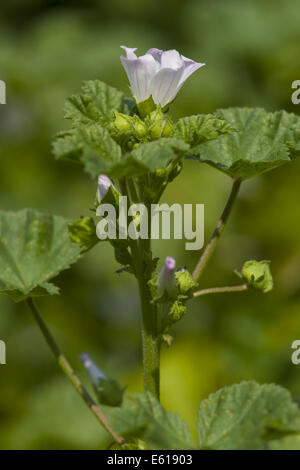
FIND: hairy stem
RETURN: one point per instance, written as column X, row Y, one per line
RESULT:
column 209, row 249
column 151, row 340
column 69, row 372
column 220, row 290
column 141, row 254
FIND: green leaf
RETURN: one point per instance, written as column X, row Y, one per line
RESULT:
column 67, row 146
column 291, row 442
column 201, row 128
column 136, row 444
column 95, row 104
column 83, row 232
column 99, row 153
column 159, row 153
column 142, row 416
column 245, row 416
column 34, row 248
column 147, row 157
column 122, row 253
column 93, row 146
column 177, row 310
column 263, row 141
column 285, row 127
column 91, row 141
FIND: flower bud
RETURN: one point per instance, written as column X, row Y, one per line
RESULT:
column 258, row 275
column 108, row 390
column 93, row 370
column 155, row 123
column 140, row 128
column 166, row 280
column 122, row 123
column 104, row 183
column 167, row 128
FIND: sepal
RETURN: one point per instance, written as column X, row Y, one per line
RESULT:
column 258, row 275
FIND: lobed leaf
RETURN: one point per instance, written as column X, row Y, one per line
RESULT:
column 99, row 153
column 159, row 153
column 262, row 141
column 291, row 442
column 34, row 248
column 95, row 104
column 92, row 146
column 201, row 128
column 142, row 416
column 83, row 232
column 246, row 416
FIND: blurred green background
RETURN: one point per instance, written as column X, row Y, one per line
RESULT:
column 47, row 48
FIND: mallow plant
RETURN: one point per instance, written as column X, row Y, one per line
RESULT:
column 133, row 148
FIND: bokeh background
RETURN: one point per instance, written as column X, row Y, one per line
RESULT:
column 47, row 48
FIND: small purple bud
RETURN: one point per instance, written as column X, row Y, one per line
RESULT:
column 104, row 183
column 93, row 370
column 166, row 280
column 180, row 270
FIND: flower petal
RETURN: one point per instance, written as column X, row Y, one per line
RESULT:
column 171, row 59
column 157, row 73
column 140, row 72
column 156, row 53
column 164, row 85
column 190, row 67
column 93, row 370
column 130, row 52
column 166, row 280
column 104, row 183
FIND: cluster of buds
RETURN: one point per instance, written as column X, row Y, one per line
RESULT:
column 154, row 126
column 175, row 288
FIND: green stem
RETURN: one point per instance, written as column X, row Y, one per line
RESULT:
column 151, row 340
column 209, row 249
column 69, row 372
column 141, row 253
column 220, row 290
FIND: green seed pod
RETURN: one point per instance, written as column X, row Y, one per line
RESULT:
column 258, row 275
